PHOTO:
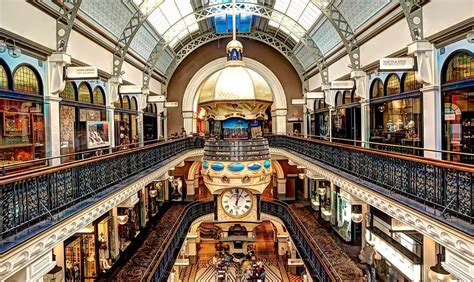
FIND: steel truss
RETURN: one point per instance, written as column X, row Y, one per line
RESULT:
column 65, row 22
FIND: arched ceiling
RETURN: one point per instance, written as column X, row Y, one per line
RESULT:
column 162, row 32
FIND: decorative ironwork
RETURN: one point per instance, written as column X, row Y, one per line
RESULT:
column 318, row 269
column 446, row 188
column 65, row 22
column 32, row 198
column 414, row 16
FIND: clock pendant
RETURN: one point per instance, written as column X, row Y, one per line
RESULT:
column 236, row 202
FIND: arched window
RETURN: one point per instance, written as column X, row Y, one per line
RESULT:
column 154, row 109
column 461, row 67
column 69, row 92
column 84, row 93
column 118, row 103
column 125, row 102
column 347, row 97
column 392, row 85
column 98, row 96
column 25, row 80
column 319, row 104
column 410, row 83
column 339, row 98
column 3, row 78
column 376, row 89
column 134, row 105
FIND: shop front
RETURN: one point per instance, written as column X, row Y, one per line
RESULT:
column 22, row 134
column 343, row 206
column 83, row 121
column 396, row 115
column 129, row 219
column 458, row 106
column 346, row 118
column 150, row 124
column 321, row 119
column 125, row 118
column 319, row 192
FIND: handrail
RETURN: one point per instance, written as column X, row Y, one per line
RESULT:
column 156, row 272
column 36, row 195
column 439, row 184
column 425, row 160
column 4, row 168
column 327, row 138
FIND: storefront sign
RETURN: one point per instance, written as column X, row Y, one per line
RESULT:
column 314, row 95
column 298, row 101
column 97, row 134
column 404, row 63
column 342, row 84
column 130, row 89
column 156, row 99
column 82, row 73
column 171, row 104
column 449, row 116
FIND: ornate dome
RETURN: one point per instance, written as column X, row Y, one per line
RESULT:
column 234, row 83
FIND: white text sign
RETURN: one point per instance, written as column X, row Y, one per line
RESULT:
column 81, row 72
column 342, row 84
column 404, row 63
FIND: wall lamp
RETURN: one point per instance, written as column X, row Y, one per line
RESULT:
column 9, row 45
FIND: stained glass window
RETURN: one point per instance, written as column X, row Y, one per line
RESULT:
column 461, row 67
column 84, row 94
column 377, row 89
column 3, row 78
column 410, row 83
column 25, row 80
column 134, row 104
column 126, row 102
column 98, row 96
column 319, row 104
column 339, row 98
column 393, row 85
column 69, row 92
column 347, row 97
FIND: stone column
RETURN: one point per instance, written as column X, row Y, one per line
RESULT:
column 333, row 199
column 54, row 85
column 282, row 239
column 306, row 187
column 140, row 125
column 362, row 90
column 112, row 96
column 111, row 120
column 188, row 121
column 281, row 189
column 165, row 123
column 159, row 110
column 190, row 190
column 191, row 250
column 432, row 126
column 331, row 109
column 274, row 131
column 195, row 129
column 280, row 121
column 365, row 208
column 429, row 257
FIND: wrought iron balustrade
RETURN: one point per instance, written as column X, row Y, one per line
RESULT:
column 34, row 196
column 441, row 185
column 318, row 267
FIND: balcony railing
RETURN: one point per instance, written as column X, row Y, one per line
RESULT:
column 37, row 195
column 444, row 186
column 319, row 268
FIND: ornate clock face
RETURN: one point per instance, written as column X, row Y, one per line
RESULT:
column 236, row 202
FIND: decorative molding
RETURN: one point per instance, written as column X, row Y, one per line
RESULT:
column 30, row 251
column 454, row 240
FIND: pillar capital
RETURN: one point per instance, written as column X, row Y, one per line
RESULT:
column 361, row 81
column 114, row 83
column 423, row 50
column 56, row 63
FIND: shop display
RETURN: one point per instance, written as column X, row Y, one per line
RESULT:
column 106, row 243
column 131, row 228
column 97, row 134
column 80, row 257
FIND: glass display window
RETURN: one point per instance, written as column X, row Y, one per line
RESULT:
column 80, row 256
column 106, row 243
column 458, row 107
column 131, row 228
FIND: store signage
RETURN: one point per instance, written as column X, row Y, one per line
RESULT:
column 171, row 104
column 298, row 101
column 403, row 63
column 342, row 84
column 449, row 116
column 314, row 95
column 82, row 73
column 156, row 99
column 130, row 89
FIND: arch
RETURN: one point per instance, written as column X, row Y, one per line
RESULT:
column 133, row 104
column 98, row 96
column 69, row 92
column 194, row 170
column 376, row 89
column 409, row 82
column 118, row 104
column 348, row 97
column 6, row 81
column 451, row 72
column 278, row 169
column 190, row 99
column 84, row 93
column 27, row 80
column 392, row 85
column 339, row 99
column 126, row 102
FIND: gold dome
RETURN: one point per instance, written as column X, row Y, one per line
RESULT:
column 234, row 83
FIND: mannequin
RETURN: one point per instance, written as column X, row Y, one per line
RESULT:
column 104, row 264
column 367, row 256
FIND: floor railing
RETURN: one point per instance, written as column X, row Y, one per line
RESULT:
column 39, row 194
column 319, row 267
column 442, row 185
